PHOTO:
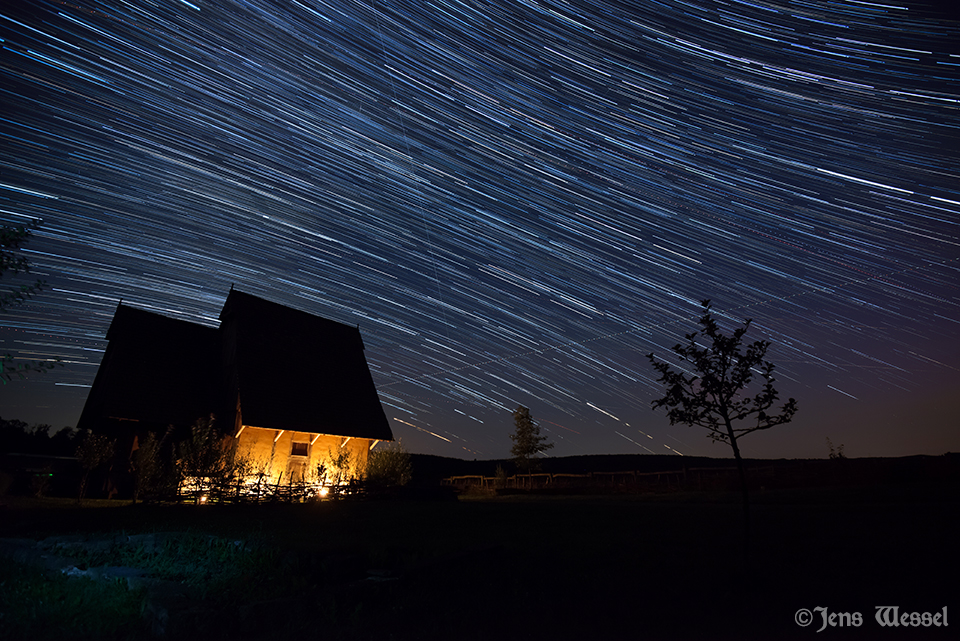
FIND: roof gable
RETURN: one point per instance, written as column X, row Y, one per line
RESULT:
column 296, row 371
column 290, row 370
column 156, row 370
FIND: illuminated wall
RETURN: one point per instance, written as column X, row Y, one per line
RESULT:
column 287, row 456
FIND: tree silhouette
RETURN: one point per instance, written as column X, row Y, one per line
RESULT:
column 10, row 262
column 147, row 465
column 11, row 238
column 95, row 450
column 714, row 395
column 527, row 440
column 207, row 459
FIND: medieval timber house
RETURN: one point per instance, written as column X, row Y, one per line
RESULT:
column 292, row 388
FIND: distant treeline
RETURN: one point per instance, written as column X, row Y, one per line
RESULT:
column 35, row 460
column 18, row 437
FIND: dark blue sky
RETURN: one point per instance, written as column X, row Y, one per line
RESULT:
column 515, row 201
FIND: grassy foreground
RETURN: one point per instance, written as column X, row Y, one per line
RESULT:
column 521, row 567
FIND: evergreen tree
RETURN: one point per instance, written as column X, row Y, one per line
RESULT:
column 527, row 440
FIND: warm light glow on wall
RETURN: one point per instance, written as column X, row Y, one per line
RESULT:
column 279, row 464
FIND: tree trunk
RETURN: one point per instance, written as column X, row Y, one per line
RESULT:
column 746, row 496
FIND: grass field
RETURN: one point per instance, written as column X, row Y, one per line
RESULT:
column 532, row 567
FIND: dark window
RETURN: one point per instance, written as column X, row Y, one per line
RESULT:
column 299, row 449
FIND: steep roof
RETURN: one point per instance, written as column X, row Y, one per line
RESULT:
column 155, row 370
column 289, row 369
column 296, row 371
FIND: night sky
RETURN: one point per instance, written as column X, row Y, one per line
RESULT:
column 515, row 201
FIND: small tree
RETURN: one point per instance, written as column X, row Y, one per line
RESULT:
column 94, row 451
column 527, row 440
column 207, row 457
column 319, row 476
column 713, row 397
column 146, row 465
column 340, row 471
column 835, row 453
column 389, row 466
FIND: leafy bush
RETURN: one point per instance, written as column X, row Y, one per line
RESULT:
column 208, row 462
column 501, row 477
column 389, row 466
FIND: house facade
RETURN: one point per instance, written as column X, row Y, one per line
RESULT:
column 302, row 457
column 292, row 389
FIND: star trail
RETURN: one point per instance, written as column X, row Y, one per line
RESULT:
column 515, row 201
